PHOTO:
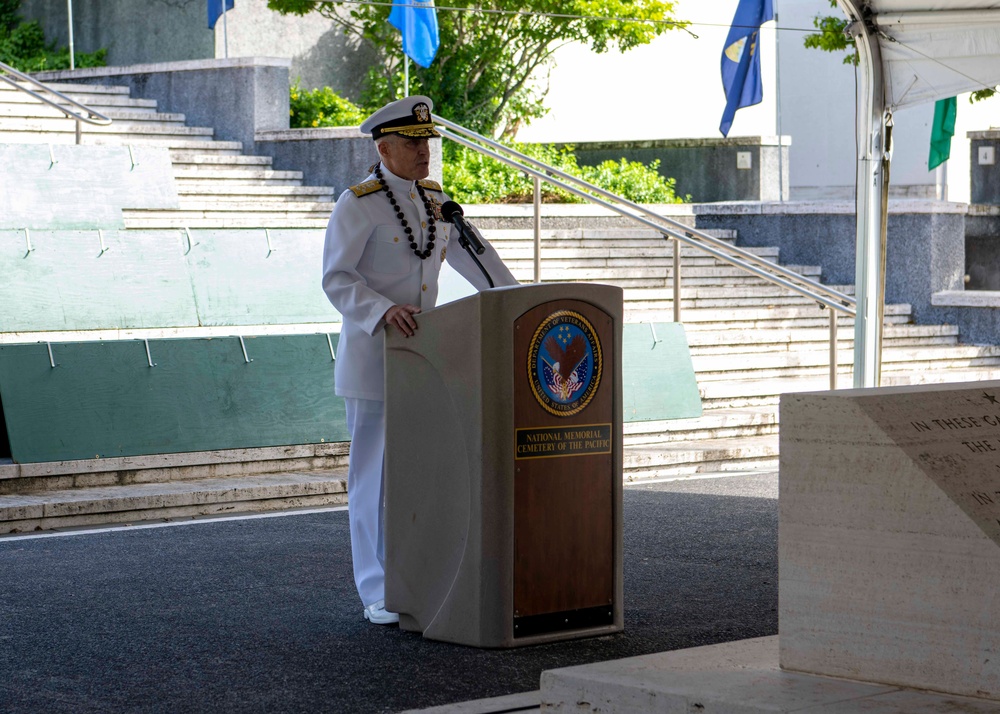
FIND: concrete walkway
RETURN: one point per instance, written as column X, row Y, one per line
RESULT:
column 260, row 614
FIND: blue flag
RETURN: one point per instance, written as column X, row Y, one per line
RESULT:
column 215, row 11
column 417, row 21
column 741, row 59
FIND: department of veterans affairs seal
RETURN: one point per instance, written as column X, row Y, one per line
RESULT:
column 564, row 363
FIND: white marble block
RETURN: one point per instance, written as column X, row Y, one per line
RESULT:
column 889, row 536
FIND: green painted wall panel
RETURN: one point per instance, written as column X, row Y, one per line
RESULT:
column 102, row 399
column 153, row 279
column 238, row 280
column 67, row 283
column 658, row 380
column 86, row 186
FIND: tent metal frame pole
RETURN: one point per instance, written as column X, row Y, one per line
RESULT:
column 225, row 30
column 777, row 105
column 872, row 116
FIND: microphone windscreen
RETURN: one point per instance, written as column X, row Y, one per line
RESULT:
column 449, row 209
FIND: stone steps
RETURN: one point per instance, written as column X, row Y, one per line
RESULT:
column 761, row 393
column 259, row 193
column 819, row 371
column 140, row 115
column 646, row 279
column 67, row 88
column 127, row 132
column 193, row 160
column 99, row 98
column 669, row 460
column 163, row 468
column 750, row 340
column 98, row 505
column 182, row 219
column 217, row 185
column 610, row 235
column 745, row 342
column 571, row 254
column 192, row 205
column 130, row 489
column 715, row 424
column 692, row 268
column 209, row 177
column 802, row 361
column 207, row 145
column 695, row 322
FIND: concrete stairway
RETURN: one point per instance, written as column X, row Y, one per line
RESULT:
column 75, row 494
column 218, row 186
column 749, row 341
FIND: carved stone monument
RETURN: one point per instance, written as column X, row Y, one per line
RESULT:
column 889, row 538
column 889, row 571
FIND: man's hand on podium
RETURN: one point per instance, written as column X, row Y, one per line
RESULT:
column 401, row 317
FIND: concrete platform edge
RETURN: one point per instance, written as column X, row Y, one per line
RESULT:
column 522, row 702
column 740, row 677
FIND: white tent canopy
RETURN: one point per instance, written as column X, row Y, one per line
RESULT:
column 940, row 53
column 911, row 52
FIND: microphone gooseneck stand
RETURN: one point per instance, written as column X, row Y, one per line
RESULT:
column 452, row 213
column 464, row 242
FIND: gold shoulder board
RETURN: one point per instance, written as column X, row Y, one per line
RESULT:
column 432, row 185
column 363, row 189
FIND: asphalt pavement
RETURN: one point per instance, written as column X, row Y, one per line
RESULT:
column 260, row 614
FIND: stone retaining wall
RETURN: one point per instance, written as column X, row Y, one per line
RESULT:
column 748, row 168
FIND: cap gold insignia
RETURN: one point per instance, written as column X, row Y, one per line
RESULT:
column 422, row 112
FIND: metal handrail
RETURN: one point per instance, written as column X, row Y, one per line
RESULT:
column 825, row 296
column 89, row 115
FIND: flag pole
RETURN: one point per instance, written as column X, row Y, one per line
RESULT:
column 225, row 30
column 72, row 53
column 777, row 106
column 406, row 75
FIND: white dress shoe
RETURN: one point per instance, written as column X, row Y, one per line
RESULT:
column 378, row 615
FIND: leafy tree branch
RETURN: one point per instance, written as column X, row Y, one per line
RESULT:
column 484, row 76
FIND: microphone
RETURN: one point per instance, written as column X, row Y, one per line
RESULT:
column 451, row 212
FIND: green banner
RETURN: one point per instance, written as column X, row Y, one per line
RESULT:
column 943, row 128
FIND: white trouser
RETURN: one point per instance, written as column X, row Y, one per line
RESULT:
column 366, row 425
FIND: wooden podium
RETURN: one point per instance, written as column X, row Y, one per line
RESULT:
column 504, row 467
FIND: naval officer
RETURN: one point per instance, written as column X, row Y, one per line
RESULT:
column 385, row 245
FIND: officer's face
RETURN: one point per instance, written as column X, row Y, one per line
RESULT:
column 406, row 157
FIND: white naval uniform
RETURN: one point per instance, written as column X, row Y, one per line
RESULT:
column 368, row 266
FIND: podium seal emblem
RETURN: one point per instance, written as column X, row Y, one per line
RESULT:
column 564, row 363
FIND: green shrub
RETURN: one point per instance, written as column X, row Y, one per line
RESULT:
column 633, row 180
column 321, row 107
column 23, row 46
column 471, row 177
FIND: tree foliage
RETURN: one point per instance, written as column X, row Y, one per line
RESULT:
column 831, row 36
column 483, row 74
column 23, row 45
